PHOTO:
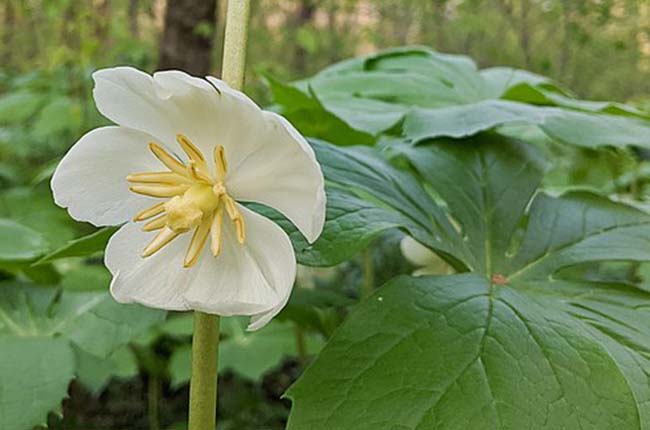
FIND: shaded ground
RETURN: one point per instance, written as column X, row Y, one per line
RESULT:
column 123, row 404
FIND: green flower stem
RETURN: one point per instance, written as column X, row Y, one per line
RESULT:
column 203, row 385
column 153, row 398
column 234, row 45
column 205, row 345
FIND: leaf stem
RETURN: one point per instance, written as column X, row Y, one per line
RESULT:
column 203, row 385
column 368, row 282
column 301, row 345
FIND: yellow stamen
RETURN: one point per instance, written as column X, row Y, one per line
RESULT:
column 167, row 159
column 231, row 208
column 197, row 175
column 198, row 242
column 165, row 236
column 235, row 216
column 155, row 224
column 192, row 151
column 215, row 232
column 150, row 212
column 196, row 201
column 159, row 190
column 158, row 178
column 240, row 229
column 220, row 162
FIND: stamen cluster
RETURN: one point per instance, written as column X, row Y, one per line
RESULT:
column 196, row 200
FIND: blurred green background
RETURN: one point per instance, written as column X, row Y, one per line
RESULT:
column 49, row 48
column 598, row 48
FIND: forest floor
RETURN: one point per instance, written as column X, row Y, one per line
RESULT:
column 123, row 405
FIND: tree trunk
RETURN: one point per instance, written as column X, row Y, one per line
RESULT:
column 304, row 15
column 565, row 46
column 524, row 33
column 102, row 16
column 188, row 36
column 439, row 20
column 8, row 32
column 134, row 26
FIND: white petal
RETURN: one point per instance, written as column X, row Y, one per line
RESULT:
column 283, row 173
column 269, row 162
column 91, row 179
column 416, row 253
column 251, row 279
column 158, row 281
column 172, row 102
column 165, row 105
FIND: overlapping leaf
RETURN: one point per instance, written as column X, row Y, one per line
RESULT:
column 39, row 329
column 439, row 95
column 367, row 196
column 41, row 367
column 515, row 344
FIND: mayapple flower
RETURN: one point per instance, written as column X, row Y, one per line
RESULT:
column 427, row 261
column 184, row 154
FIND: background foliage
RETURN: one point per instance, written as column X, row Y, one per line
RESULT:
column 409, row 108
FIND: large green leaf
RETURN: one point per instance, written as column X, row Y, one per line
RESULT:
column 438, row 95
column 576, row 128
column 84, row 246
column 92, row 320
column 460, row 353
column 95, row 373
column 34, row 377
column 19, row 242
column 40, row 330
column 33, row 207
column 302, row 108
column 516, row 344
column 354, row 218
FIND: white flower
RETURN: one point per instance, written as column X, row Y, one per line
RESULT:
column 429, row 262
column 185, row 152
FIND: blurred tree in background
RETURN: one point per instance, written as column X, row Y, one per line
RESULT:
column 48, row 50
column 601, row 48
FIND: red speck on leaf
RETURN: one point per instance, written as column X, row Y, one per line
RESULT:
column 499, row 279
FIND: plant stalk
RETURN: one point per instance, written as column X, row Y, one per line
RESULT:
column 234, row 45
column 301, row 345
column 368, row 282
column 203, row 385
column 205, row 344
column 153, row 399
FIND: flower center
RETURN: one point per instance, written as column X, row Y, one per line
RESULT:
column 195, row 200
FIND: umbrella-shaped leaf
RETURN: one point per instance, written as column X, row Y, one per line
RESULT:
column 515, row 344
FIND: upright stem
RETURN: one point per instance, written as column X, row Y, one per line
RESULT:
column 153, row 397
column 205, row 345
column 203, row 385
column 234, row 45
column 368, row 282
column 301, row 345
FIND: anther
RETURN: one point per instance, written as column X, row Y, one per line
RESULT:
column 165, row 236
column 167, row 159
column 150, row 212
column 220, row 162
